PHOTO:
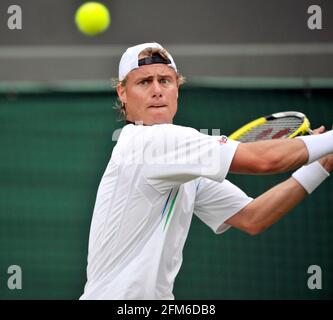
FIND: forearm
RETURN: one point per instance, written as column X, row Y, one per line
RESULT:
column 271, row 156
column 272, row 205
column 275, row 156
column 268, row 208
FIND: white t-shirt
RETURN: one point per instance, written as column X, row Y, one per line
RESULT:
column 157, row 177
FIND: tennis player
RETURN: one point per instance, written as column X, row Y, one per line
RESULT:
column 160, row 174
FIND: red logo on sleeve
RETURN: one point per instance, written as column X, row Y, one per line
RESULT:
column 222, row 140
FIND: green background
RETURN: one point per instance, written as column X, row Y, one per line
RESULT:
column 55, row 145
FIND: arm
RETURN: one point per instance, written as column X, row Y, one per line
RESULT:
column 271, row 156
column 272, row 205
column 275, row 156
column 268, row 208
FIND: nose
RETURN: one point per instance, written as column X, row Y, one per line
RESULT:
column 156, row 89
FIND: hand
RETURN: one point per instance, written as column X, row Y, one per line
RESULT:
column 319, row 130
column 327, row 161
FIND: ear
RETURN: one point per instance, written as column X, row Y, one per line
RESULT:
column 121, row 91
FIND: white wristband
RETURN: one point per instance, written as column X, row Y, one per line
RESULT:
column 318, row 145
column 311, row 176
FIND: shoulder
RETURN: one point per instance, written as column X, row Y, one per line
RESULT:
column 159, row 131
column 168, row 127
column 159, row 137
column 172, row 130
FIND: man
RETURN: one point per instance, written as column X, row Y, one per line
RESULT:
column 160, row 174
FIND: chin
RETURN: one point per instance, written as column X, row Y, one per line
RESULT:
column 158, row 120
column 159, row 117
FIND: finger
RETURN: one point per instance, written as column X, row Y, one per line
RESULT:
column 319, row 130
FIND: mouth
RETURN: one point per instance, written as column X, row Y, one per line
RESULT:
column 157, row 106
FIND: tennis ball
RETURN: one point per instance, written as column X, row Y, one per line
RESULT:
column 92, row 18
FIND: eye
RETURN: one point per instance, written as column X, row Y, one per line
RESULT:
column 143, row 82
column 165, row 80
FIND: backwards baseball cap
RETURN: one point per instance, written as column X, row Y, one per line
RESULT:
column 130, row 59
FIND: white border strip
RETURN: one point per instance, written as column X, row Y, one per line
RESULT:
column 205, row 50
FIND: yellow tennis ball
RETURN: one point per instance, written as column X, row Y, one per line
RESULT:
column 92, row 18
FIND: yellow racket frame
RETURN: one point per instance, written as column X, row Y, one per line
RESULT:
column 302, row 130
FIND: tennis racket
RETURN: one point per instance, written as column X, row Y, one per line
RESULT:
column 279, row 125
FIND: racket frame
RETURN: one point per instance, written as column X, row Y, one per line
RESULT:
column 303, row 129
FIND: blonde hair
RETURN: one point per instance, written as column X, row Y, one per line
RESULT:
column 148, row 52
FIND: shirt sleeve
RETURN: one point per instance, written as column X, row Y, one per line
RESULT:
column 180, row 154
column 216, row 202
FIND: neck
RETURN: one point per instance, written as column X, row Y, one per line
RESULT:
column 140, row 122
column 136, row 122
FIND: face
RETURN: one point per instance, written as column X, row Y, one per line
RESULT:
column 150, row 94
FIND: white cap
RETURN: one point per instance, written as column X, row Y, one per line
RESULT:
column 129, row 60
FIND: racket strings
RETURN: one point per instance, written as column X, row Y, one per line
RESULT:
column 273, row 129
